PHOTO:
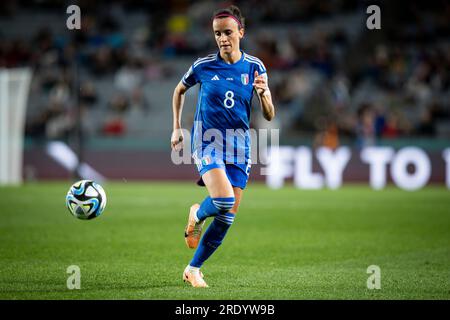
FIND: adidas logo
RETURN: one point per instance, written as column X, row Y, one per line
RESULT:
column 215, row 77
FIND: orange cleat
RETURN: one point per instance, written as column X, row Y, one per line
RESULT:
column 193, row 231
column 195, row 278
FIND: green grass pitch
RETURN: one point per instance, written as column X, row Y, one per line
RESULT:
column 284, row 244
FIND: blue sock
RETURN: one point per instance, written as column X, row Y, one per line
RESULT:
column 214, row 206
column 212, row 238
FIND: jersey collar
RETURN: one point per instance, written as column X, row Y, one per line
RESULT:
column 219, row 58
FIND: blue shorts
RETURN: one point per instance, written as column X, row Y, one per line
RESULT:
column 238, row 175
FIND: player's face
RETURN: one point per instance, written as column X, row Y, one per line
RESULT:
column 228, row 35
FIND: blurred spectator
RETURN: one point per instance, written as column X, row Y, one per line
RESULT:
column 60, row 93
column 365, row 129
column 129, row 77
column 328, row 134
column 138, row 101
column 114, row 126
column 119, row 104
column 88, row 94
column 59, row 123
column 391, row 128
column 426, row 126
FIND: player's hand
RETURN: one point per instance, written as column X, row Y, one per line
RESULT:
column 260, row 84
column 176, row 141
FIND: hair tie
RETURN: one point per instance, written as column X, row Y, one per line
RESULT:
column 227, row 15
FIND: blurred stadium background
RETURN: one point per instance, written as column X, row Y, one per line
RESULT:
column 103, row 93
column 335, row 82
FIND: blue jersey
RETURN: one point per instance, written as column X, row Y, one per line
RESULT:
column 224, row 103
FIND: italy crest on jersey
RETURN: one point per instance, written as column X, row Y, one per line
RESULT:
column 244, row 78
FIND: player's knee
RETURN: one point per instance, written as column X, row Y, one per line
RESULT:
column 223, row 204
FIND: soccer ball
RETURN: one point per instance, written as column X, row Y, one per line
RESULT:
column 86, row 199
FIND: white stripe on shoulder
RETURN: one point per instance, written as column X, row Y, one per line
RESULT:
column 258, row 64
column 255, row 60
column 213, row 55
column 195, row 66
column 208, row 58
column 203, row 61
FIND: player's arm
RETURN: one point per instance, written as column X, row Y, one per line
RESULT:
column 176, row 140
column 265, row 98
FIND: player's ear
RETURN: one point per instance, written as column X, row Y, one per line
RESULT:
column 241, row 33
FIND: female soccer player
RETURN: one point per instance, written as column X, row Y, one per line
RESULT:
column 228, row 80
